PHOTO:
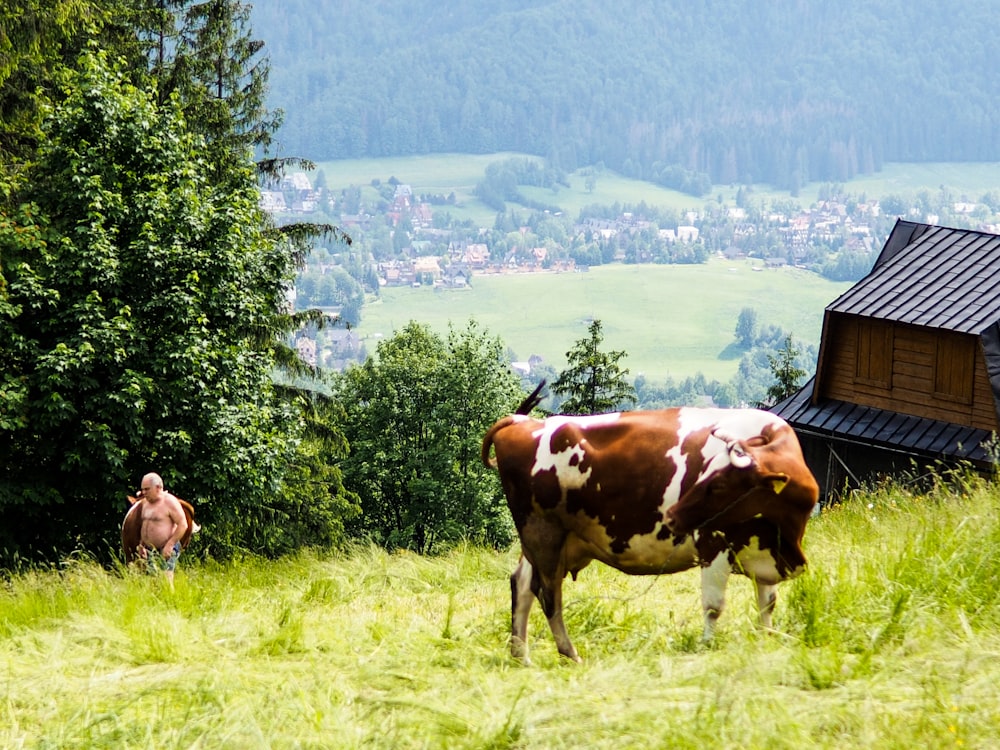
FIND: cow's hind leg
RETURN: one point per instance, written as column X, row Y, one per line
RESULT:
column 542, row 543
column 550, row 597
column 714, row 578
column 523, row 584
column 526, row 582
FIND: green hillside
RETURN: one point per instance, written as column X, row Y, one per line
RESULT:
column 459, row 173
column 671, row 320
column 782, row 92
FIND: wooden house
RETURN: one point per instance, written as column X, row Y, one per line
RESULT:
column 908, row 374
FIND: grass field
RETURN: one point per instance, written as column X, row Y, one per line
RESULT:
column 890, row 640
column 671, row 320
column 459, row 173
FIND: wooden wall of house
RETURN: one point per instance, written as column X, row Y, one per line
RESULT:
column 925, row 372
column 842, row 465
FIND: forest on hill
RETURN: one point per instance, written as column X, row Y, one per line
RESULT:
column 683, row 94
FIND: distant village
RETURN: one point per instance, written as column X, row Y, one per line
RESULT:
column 444, row 258
column 828, row 222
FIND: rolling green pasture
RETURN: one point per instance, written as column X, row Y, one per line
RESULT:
column 432, row 174
column 444, row 173
column 968, row 180
column 459, row 173
column 890, row 640
column 671, row 320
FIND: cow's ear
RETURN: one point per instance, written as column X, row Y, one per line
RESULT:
column 777, row 482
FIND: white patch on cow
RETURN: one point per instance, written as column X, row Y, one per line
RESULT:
column 646, row 554
column 756, row 563
column 727, row 425
column 567, row 463
column 689, row 421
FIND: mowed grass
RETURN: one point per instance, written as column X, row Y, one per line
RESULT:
column 891, row 640
column 673, row 320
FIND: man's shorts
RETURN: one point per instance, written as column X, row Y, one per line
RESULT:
column 155, row 562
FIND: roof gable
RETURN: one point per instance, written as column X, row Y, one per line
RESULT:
column 931, row 276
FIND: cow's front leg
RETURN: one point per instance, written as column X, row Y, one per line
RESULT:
column 522, row 597
column 767, row 595
column 714, row 578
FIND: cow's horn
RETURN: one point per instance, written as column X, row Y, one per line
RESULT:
column 738, row 456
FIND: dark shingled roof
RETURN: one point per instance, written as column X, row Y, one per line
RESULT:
column 931, row 276
column 887, row 429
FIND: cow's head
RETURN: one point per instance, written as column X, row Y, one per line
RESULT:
column 761, row 477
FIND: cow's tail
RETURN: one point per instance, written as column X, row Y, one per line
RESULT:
column 488, row 460
column 531, row 401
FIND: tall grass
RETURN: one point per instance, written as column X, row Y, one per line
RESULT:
column 890, row 640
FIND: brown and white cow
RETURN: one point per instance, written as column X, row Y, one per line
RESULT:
column 132, row 528
column 651, row 492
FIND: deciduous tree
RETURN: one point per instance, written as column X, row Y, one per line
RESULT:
column 746, row 327
column 137, row 293
column 415, row 415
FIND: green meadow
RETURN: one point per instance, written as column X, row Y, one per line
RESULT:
column 890, row 640
column 672, row 320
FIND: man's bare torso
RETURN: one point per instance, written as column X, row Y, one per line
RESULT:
column 158, row 519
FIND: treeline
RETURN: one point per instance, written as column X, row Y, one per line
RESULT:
column 145, row 316
column 143, row 292
column 684, row 94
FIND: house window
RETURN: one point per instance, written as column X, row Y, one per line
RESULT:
column 954, row 367
column 874, row 361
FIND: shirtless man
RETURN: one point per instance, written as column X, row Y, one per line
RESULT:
column 163, row 525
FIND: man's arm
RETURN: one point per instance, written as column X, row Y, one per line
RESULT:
column 176, row 514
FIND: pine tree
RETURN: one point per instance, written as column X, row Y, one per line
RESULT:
column 785, row 372
column 37, row 41
column 593, row 382
column 221, row 76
